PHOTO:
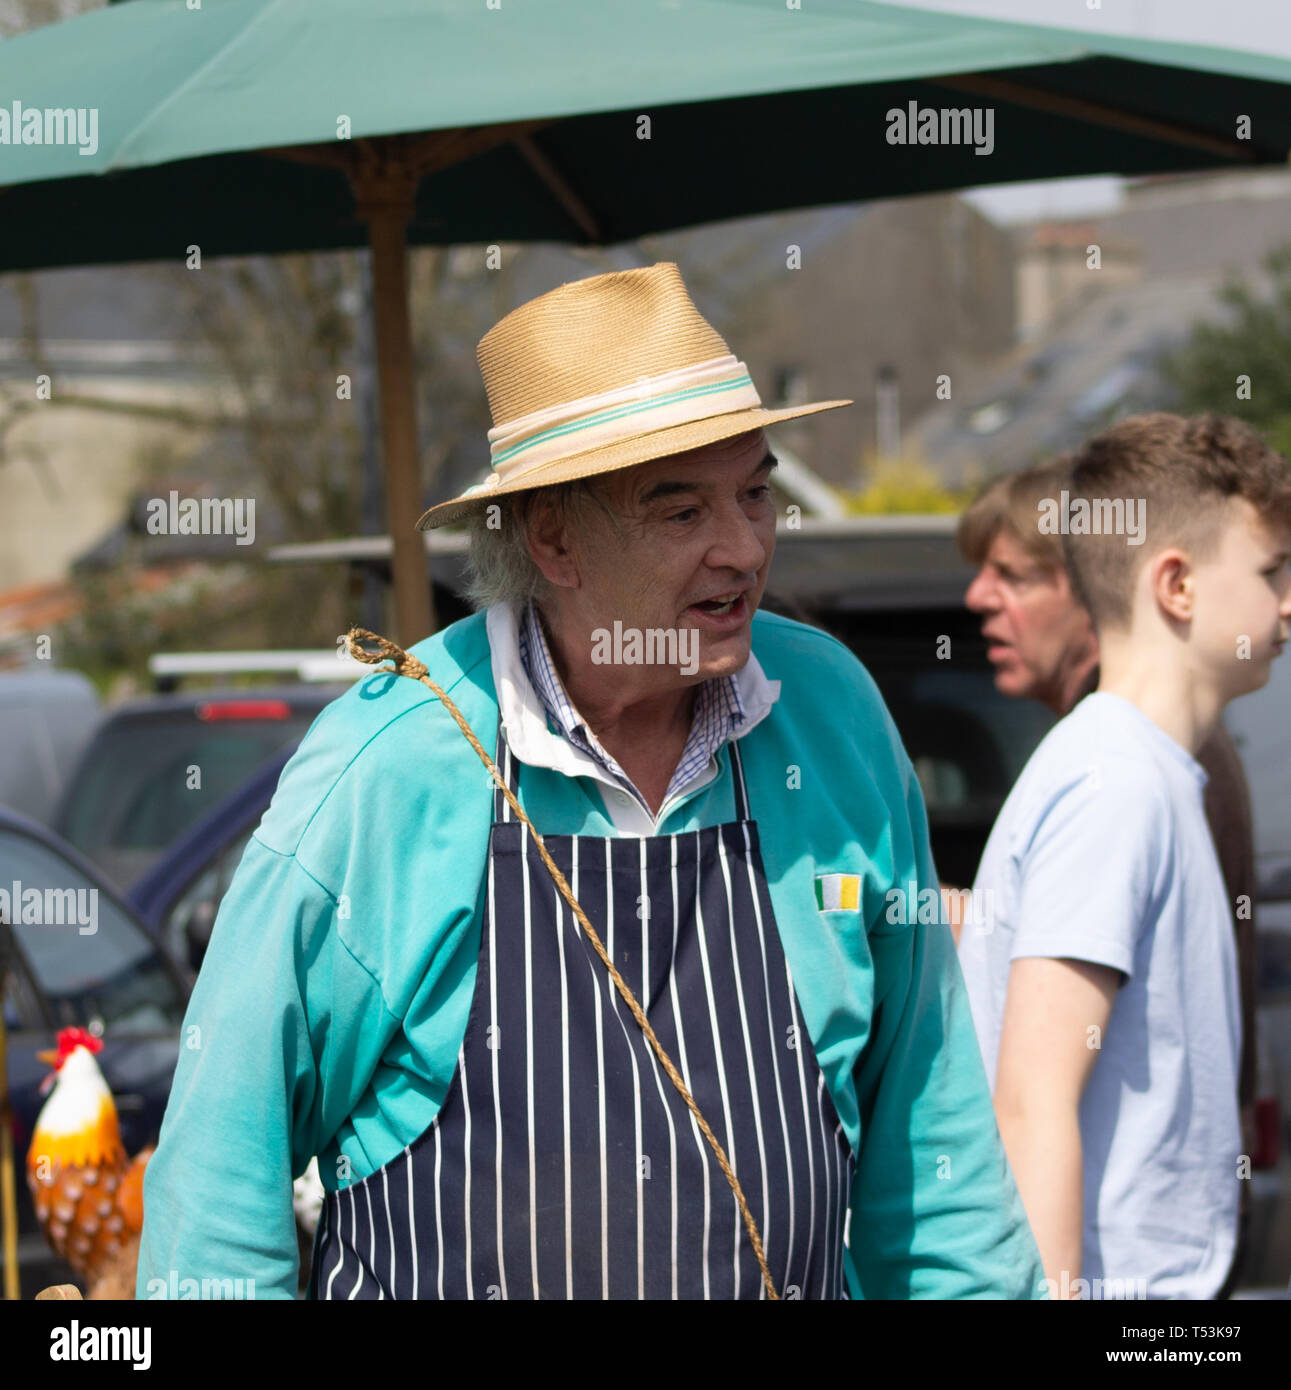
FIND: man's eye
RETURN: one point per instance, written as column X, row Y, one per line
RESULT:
column 686, row 515
column 761, row 492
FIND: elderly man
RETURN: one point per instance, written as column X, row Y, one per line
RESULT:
column 407, row 980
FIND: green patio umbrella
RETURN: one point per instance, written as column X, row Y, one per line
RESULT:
column 250, row 126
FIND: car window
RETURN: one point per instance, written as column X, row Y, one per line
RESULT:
column 1273, row 961
column 133, row 795
column 21, row 1005
column 968, row 743
column 193, row 914
column 89, row 958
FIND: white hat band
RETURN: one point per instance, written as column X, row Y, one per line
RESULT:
column 697, row 392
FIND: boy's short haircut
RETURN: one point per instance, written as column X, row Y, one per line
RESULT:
column 1012, row 504
column 1181, row 468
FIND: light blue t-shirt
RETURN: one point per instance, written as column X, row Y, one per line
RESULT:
column 1102, row 853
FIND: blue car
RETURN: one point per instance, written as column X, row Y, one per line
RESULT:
column 156, row 766
column 116, row 980
column 178, row 898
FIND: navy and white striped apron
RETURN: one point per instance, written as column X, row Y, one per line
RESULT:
column 563, row 1163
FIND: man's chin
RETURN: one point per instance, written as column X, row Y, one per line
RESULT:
column 723, row 655
column 1014, row 681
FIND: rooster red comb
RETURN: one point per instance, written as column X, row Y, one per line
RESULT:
column 69, row 1039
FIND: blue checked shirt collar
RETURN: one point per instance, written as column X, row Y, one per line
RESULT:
column 719, row 712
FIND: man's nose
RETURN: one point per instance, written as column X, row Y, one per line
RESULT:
column 980, row 594
column 736, row 544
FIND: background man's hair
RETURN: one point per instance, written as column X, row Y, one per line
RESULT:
column 1184, row 469
column 1012, row 504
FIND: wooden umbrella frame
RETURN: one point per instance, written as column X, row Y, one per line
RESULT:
column 383, row 172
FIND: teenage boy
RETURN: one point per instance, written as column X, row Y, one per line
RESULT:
column 1043, row 647
column 1105, row 994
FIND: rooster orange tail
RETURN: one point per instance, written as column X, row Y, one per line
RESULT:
column 130, row 1193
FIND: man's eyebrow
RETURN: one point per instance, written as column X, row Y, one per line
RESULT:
column 668, row 487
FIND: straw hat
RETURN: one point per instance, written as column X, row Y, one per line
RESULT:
column 600, row 374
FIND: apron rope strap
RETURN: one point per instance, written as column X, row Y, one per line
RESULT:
column 406, row 665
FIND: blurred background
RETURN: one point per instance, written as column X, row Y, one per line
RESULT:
column 977, row 332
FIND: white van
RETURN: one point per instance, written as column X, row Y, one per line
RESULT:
column 46, row 720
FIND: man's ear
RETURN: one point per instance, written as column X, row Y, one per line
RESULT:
column 546, row 533
column 1173, row 584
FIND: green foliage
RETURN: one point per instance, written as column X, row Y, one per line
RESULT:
column 1254, row 340
column 902, row 486
column 128, row 613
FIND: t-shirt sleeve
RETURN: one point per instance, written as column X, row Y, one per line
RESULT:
column 1085, row 872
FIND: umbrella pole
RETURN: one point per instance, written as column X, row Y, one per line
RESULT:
column 387, row 218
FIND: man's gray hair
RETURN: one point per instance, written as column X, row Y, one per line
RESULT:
column 499, row 566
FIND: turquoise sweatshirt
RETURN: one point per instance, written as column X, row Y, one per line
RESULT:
column 334, row 995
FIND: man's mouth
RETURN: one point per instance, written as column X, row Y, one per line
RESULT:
column 718, row 605
column 722, row 611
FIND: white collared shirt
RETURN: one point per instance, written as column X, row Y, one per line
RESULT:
column 524, row 718
column 717, row 713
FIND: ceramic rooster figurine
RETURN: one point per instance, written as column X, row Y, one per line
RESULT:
column 87, row 1193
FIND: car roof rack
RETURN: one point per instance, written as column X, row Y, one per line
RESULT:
column 322, row 665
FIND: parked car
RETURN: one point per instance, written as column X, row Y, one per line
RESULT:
column 968, row 743
column 157, row 765
column 178, row 898
column 117, row 981
column 47, row 718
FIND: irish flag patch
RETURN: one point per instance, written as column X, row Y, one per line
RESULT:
column 835, row 891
